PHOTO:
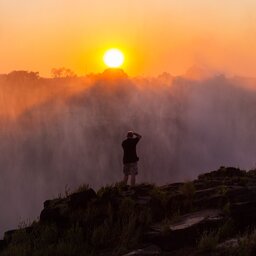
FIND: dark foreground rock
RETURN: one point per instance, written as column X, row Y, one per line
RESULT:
column 2, row 245
column 192, row 218
column 188, row 228
column 147, row 251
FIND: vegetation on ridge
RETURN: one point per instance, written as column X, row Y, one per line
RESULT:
column 203, row 215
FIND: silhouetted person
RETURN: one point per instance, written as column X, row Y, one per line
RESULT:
column 130, row 158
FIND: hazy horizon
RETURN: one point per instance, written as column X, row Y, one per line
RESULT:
column 155, row 36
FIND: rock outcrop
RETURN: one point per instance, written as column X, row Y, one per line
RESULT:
column 145, row 220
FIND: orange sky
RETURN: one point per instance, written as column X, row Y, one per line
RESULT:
column 155, row 35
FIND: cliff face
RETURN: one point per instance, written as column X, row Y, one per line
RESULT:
column 209, row 215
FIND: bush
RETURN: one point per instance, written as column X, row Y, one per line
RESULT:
column 110, row 223
column 227, row 230
column 101, row 236
column 247, row 245
column 208, row 242
column 159, row 195
column 188, row 189
column 82, row 188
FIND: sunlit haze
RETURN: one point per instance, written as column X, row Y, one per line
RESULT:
column 157, row 36
column 75, row 76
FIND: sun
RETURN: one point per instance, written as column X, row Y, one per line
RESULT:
column 113, row 58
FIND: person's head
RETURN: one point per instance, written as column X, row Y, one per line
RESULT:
column 129, row 134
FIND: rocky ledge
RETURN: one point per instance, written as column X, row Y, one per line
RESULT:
column 212, row 215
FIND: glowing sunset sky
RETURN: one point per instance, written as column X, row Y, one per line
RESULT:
column 155, row 35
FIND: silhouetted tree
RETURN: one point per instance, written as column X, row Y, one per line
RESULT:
column 21, row 75
column 62, row 73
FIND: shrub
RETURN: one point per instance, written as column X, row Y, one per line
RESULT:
column 127, row 208
column 101, row 236
column 226, row 209
column 158, row 194
column 108, row 191
column 247, row 245
column 83, row 188
column 208, row 242
column 188, row 189
column 227, row 230
column 223, row 190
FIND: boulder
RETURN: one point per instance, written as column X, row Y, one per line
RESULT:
column 143, row 200
column 148, row 251
column 205, row 193
column 81, row 199
column 2, row 245
column 230, row 243
column 8, row 235
column 240, row 194
column 157, row 209
column 216, row 201
column 208, row 183
column 170, row 188
column 252, row 173
column 54, row 202
column 223, row 172
column 175, row 202
column 57, row 214
column 188, row 228
column 206, row 217
column 244, row 213
column 143, row 189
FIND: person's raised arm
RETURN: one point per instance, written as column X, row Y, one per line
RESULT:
column 137, row 135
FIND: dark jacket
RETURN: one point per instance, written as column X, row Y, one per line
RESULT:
column 129, row 147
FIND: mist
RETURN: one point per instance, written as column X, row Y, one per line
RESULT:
column 59, row 133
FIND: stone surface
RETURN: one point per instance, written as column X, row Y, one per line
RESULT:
column 2, row 244
column 188, row 228
column 54, row 202
column 231, row 243
column 8, row 235
column 81, row 199
column 196, row 218
column 55, row 214
column 148, row 251
column 143, row 200
column 217, row 201
column 244, row 213
column 223, row 172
